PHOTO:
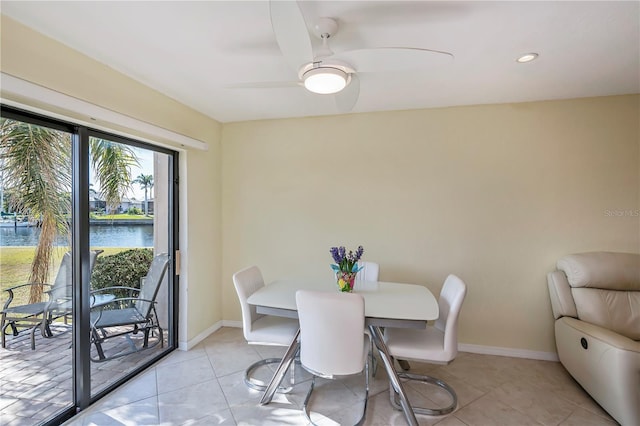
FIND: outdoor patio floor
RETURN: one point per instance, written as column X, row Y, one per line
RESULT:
column 36, row 384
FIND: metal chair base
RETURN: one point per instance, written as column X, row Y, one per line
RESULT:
column 305, row 405
column 97, row 340
column 252, row 384
column 393, row 396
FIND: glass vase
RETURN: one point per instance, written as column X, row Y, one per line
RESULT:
column 346, row 281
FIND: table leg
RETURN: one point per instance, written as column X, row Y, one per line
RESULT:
column 409, row 415
column 284, row 365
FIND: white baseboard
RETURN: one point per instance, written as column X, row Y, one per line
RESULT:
column 515, row 353
column 185, row 345
column 462, row 347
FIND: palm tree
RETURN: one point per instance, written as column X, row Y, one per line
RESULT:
column 146, row 183
column 112, row 163
column 36, row 166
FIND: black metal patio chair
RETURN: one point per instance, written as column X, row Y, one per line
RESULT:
column 30, row 317
column 129, row 315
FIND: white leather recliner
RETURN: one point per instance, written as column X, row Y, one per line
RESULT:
column 595, row 298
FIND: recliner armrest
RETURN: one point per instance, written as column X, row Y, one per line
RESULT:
column 562, row 303
column 607, row 336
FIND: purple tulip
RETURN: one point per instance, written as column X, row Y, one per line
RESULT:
column 335, row 255
column 346, row 262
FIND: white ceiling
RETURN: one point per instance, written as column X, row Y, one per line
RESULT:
column 193, row 51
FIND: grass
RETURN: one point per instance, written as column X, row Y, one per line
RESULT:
column 15, row 265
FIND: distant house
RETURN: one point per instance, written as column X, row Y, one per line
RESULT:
column 127, row 203
column 150, row 204
column 96, row 203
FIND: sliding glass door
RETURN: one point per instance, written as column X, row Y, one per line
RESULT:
column 36, row 374
column 129, row 227
column 87, row 247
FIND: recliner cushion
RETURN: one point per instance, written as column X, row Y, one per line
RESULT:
column 618, row 311
column 606, row 270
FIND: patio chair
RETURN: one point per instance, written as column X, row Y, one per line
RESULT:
column 129, row 315
column 28, row 317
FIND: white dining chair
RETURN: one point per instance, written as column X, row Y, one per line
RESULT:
column 369, row 271
column 332, row 338
column 436, row 344
column 261, row 329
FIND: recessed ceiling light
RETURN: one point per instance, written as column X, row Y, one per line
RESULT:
column 527, row 57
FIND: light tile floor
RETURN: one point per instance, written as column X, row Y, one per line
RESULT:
column 204, row 386
column 37, row 384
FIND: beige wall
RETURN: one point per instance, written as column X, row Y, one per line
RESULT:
column 31, row 56
column 495, row 194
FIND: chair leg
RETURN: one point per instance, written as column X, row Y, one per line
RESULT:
column 97, row 341
column 393, row 396
column 3, row 330
column 145, row 340
column 14, row 328
column 366, row 394
column 45, row 329
column 373, row 360
column 305, row 405
column 33, row 336
column 252, row 384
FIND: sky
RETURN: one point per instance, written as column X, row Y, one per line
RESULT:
column 145, row 158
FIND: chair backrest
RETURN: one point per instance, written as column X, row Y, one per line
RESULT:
column 151, row 283
column 247, row 282
column 63, row 284
column 601, row 288
column 331, row 332
column 450, row 302
column 369, row 271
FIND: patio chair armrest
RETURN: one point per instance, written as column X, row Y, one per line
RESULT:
column 10, row 291
column 121, row 299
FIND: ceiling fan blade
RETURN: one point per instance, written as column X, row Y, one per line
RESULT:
column 291, row 32
column 347, row 98
column 265, row 85
column 383, row 59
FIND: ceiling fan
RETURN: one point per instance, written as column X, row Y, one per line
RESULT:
column 325, row 72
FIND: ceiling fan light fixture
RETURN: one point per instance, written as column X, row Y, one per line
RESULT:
column 325, row 80
column 527, row 57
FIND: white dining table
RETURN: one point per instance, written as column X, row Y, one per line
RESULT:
column 386, row 304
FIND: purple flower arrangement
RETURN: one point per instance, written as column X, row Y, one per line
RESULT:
column 346, row 262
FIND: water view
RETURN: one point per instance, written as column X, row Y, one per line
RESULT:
column 99, row 236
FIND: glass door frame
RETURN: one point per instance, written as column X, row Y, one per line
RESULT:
column 81, row 362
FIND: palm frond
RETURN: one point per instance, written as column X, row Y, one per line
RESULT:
column 36, row 168
column 112, row 163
